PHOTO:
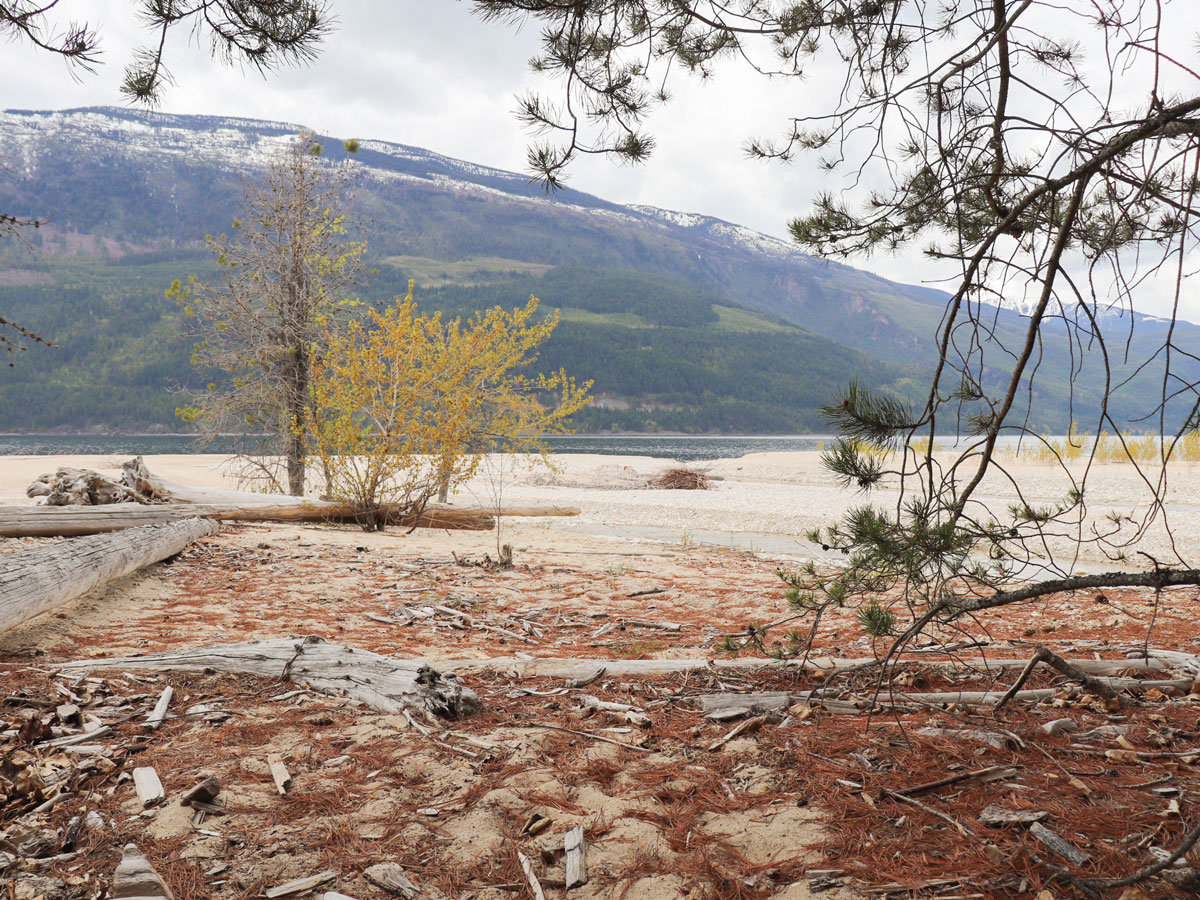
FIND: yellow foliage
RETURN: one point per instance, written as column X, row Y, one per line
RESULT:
column 406, row 403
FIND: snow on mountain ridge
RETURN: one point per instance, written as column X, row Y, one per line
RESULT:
column 240, row 144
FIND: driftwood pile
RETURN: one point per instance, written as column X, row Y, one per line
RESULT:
column 78, row 502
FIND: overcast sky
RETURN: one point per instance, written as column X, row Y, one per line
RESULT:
column 430, row 74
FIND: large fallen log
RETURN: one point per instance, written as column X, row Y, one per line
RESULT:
column 37, row 580
column 576, row 668
column 380, row 682
column 144, row 498
column 71, row 521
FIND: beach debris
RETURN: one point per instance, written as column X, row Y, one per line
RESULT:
column 575, row 847
column 535, row 886
column 991, row 773
column 159, row 713
column 997, row 816
column 279, row 773
column 379, row 682
column 634, row 715
column 391, row 878
column 135, row 878
column 738, row 730
column 536, row 824
column 648, row 623
column 1058, row 845
column 585, row 680
column 205, row 791
column 300, row 885
column 148, row 786
column 681, row 478
column 1045, row 655
column 1055, row 727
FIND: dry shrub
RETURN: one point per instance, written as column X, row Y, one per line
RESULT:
column 682, row 478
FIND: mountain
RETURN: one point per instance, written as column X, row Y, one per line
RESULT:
column 685, row 321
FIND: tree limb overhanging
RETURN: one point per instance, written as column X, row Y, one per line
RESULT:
column 264, row 34
column 1053, row 173
column 1044, row 156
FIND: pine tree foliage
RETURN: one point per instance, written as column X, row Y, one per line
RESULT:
column 1043, row 153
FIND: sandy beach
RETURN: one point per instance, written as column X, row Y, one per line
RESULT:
column 762, row 502
column 786, row 803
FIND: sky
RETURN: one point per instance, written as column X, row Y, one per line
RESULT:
column 430, row 74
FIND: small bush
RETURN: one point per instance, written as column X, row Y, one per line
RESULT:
column 682, row 478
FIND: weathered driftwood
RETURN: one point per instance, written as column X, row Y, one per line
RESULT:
column 583, row 669
column 82, row 487
column 380, row 682
column 135, row 878
column 74, row 521
column 767, row 700
column 81, row 501
column 148, row 786
column 40, row 579
column 575, row 848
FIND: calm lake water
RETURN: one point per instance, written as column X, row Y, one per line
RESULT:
column 683, row 448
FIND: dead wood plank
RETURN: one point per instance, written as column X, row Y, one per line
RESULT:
column 159, row 713
column 534, row 885
column 575, row 847
column 380, row 682
column 299, row 885
column 148, row 786
column 41, row 579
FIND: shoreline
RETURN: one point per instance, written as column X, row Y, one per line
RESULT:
column 761, row 502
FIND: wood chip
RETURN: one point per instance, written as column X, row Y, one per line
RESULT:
column 1058, row 845
column 159, row 713
column 149, row 788
column 575, row 847
column 279, row 772
column 300, row 885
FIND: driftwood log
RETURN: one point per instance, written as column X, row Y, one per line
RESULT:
column 379, row 682
column 40, row 579
column 89, row 504
column 71, row 521
column 581, row 669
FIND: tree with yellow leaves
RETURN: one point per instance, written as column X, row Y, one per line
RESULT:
column 408, row 403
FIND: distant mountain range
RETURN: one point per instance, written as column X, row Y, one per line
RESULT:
column 684, row 321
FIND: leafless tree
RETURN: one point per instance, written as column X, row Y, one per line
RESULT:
column 288, row 265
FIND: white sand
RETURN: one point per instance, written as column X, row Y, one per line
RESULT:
column 763, row 501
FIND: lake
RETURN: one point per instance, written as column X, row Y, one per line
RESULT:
column 685, row 448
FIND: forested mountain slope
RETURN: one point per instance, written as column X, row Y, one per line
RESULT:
column 686, row 322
